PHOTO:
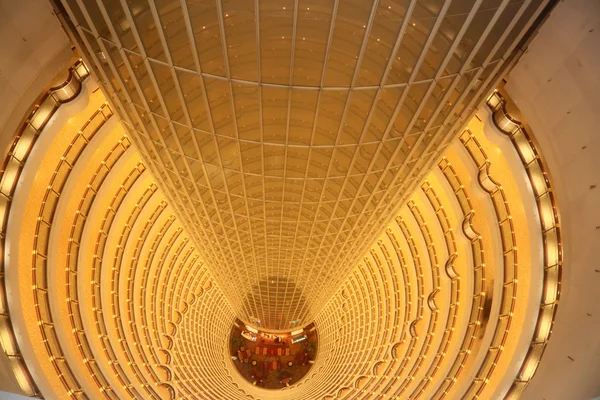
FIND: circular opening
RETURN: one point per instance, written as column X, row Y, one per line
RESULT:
column 272, row 360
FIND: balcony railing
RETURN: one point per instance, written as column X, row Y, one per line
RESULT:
column 549, row 221
column 39, row 115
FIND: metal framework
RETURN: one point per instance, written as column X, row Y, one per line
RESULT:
column 452, row 300
column 285, row 134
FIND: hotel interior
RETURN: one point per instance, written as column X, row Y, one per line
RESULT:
column 300, row 199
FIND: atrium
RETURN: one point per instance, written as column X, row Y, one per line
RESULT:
column 300, row 199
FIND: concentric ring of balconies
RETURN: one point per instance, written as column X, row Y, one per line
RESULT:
column 285, row 133
column 128, row 310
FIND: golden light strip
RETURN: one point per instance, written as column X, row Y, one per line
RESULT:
column 550, row 226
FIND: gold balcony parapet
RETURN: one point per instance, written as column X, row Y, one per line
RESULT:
column 550, row 227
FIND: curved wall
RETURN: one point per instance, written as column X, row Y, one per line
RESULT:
column 116, row 301
column 33, row 50
column 285, row 133
column 556, row 84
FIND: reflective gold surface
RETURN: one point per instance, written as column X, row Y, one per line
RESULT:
column 116, row 302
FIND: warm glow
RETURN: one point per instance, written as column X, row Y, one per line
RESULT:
column 135, row 260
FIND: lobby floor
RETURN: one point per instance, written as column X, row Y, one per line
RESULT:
column 274, row 365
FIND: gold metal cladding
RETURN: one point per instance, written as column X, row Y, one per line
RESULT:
column 286, row 134
column 550, row 227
